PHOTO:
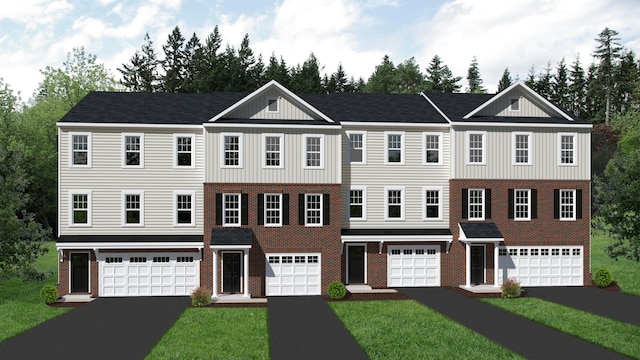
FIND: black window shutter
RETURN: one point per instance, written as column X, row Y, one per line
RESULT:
column 244, row 209
column 260, row 209
column 510, row 204
column 487, row 203
column 326, row 209
column 218, row 208
column 534, row 203
column 285, row 209
column 579, row 204
column 465, row 203
column 556, row 204
column 301, row 209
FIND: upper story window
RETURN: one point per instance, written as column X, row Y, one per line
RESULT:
column 313, row 209
column 273, row 148
column 521, row 148
column 133, row 204
column 80, row 149
column 272, row 105
column 184, row 208
column 432, row 148
column 231, row 209
column 394, row 203
column 567, row 204
column 81, row 208
column 357, row 203
column 432, row 203
column 133, row 150
column 476, row 204
column 476, row 147
column 356, row 147
column 394, row 148
column 567, row 149
column 522, row 204
column 231, row 150
column 185, row 150
column 314, row 151
column 514, row 104
column 272, row 209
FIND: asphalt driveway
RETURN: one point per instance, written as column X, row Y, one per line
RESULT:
column 107, row 328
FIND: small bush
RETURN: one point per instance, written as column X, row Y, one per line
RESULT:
column 337, row 290
column 511, row 289
column 602, row 278
column 49, row 294
column 200, row 297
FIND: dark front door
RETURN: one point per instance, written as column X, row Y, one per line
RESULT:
column 79, row 272
column 231, row 272
column 356, row 264
column 477, row 264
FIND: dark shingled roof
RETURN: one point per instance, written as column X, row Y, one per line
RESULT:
column 391, row 232
column 130, row 238
column 231, row 236
column 481, row 230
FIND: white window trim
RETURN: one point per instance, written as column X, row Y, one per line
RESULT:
column 364, row 147
column 240, row 150
column 264, row 151
column 575, row 149
column 439, row 189
column 277, row 99
column 484, row 148
column 364, row 203
column 514, row 135
column 89, row 215
column 386, row 203
column 484, row 205
column 124, row 152
column 175, row 151
column 304, row 147
column 193, row 208
column 224, row 209
column 424, row 148
column 89, row 146
column 573, row 218
column 279, row 224
column 515, row 206
column 306, row 208
column 402, row 147
column 519, row 102
column 124, row 207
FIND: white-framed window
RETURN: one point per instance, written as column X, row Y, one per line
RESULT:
column 521, row 142
column 133, row 150
column 231, row 209
column 184, row 145
column 272, row 209
column 432, row 200
column 567, row 204
column 394, row 147
column 80, row 208
column 273, row 105
column 432, row 148
column 314, row 151
column 522, row 204
column 476, row 204
column 476, row 147
column 514, row 104
column 273, row 150
column 356, row 147
column 357, row 203
column 231, row 150
column 132, row 208
column 394, row 203
column 184, row 208
column 567, row 145
column 313, row 209
column 80, row 149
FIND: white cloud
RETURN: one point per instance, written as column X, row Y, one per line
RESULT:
column 34, row 12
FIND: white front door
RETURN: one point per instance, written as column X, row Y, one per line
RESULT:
column 413, row 265
column 293, row 274
column 542, row 265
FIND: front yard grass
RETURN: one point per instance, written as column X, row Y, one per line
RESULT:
column 624, row 271
column 608, row 333
column 216, row 333
column 20, row 305
column 405, row 329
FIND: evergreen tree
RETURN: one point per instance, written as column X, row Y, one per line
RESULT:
column 141, row 74
column 595, row 101
column 439, row 78
column 409, row 78
column 474, row 79
column 174, row 62
column 505, row 80
column 625, row 80
column 192, row 60
column 531, row 78
column 560, row 85
column 577, row 89
column 543, row 86
column 209, row 66
column 383, row 79
column 278, row 71
column 608, row 52
column 336, row 82
column 306, row 79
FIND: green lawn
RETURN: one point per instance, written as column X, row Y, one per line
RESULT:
column 625, row 272
column 20, row 305
column 216, row 333
column 405, row 329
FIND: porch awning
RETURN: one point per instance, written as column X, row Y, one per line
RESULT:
column 231, row 238
column 479, row 232
column 382, row 236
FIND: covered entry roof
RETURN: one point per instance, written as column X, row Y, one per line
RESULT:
column 238, row 237
column 480, row 231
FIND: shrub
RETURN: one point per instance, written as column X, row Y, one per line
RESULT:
column 510, row 288
column 602, row 278
column 49, row 294
column 200, row 297
column 337, row 290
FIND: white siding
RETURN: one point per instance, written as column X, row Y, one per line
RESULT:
column 106, row 179
column 256, row 108
column 501, row 107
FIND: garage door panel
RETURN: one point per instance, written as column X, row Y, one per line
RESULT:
column 413, row 265
column 542, row 266
column 293, row 274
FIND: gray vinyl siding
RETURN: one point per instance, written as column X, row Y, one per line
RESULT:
column 256, row 108
column 501, row 107
column 293, row 171
column 544, row 152
column 375, row 175
column 106, row 179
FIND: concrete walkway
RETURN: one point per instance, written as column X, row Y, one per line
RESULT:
column 304, row 327
column 525, row 337
column 107, row 328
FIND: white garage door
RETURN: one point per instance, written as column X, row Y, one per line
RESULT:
column 542, row 265
column 149, row 274
column 416, row 265
column 293, row 274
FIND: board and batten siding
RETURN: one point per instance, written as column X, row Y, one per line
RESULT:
column 413, row 176
column 106, row 179
column 293, row 171
column 544, row 151
column 502, row 106
column 256, row 108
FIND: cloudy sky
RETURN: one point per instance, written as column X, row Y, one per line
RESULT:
column 358, row 33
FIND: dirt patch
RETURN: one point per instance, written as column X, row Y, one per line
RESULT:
column 613, row 287
column 369, row 296
column 67, row 304
column 238, row 305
